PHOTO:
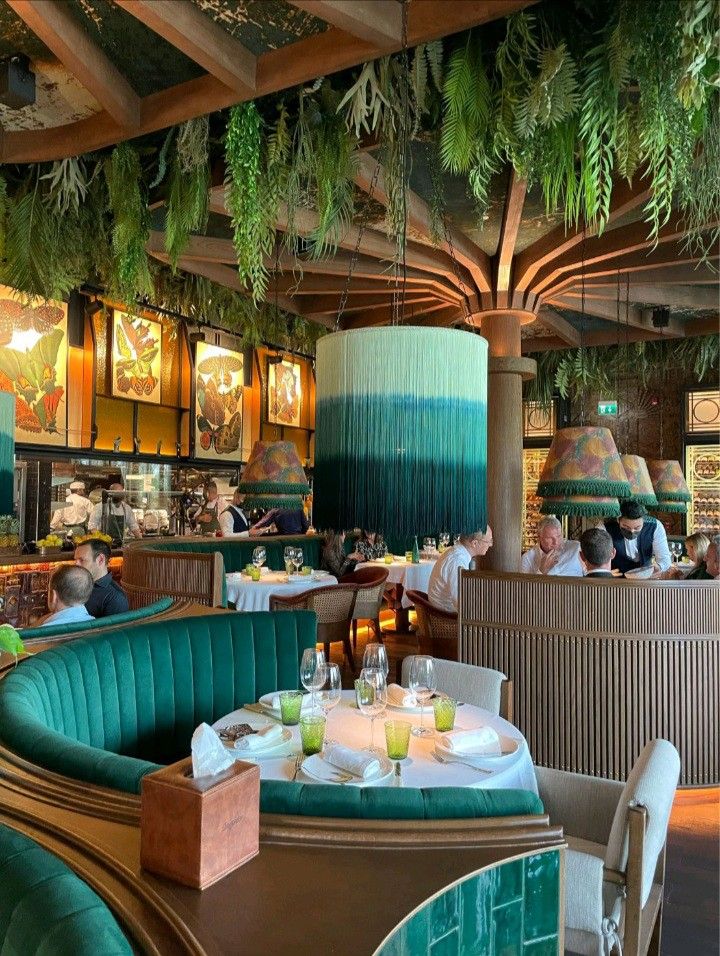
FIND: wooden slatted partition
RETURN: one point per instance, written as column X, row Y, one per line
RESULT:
column 149, row 575
column 589, row 693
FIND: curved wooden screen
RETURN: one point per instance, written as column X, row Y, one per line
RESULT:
column 589, row 693
column 149, row 575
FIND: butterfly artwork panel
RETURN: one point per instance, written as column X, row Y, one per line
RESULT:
column 284, row 394
column 137, row 358
column 33, row 366
column 218, row 403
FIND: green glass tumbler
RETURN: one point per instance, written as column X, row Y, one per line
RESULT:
column 290, row 707
column 444, row 709
column 397, row 738
column 312, row 734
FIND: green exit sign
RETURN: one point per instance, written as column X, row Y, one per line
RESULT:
column 607, row 408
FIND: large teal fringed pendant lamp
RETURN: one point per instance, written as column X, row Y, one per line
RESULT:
column 401, row 431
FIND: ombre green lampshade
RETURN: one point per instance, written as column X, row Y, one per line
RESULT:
column 401, row 431
column 582, row 506
column 641, row 487
column 583, row 461
column 273, row 477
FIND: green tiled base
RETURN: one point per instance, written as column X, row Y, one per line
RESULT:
column 509, row 910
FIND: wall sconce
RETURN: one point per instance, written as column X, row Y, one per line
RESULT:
column 92, row 308
column 116, row 443
column 159, row 446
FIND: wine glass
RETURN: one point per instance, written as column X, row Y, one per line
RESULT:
column 330, row 691
column 288, row 557
column 312, row 672
column 297, row 559
column 258, row 557
column 422, row 683
column 375, row 656
column 372, row 697
column 444, row 540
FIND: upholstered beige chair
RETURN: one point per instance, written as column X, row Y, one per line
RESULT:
column 480, row 686
column 333, row 606
column 615, row 864
column 437, row 629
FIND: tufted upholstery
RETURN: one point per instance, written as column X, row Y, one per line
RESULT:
column 126, row 617
column 74, row 920
column 237, row 552
column 139, row 692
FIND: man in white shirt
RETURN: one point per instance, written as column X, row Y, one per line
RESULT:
column 76, row 513
column 70, row 587
column 552, row 554
column 444, row 583
column 233, row 522
column 637, row 539
column 120, row 515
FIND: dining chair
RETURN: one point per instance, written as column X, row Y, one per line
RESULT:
column 480, row 686
column 333, row 606
column 370, row 585
column 615, row 862
column 437, row 629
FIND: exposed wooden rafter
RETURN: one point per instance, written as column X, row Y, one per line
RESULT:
column 632, row 316
column 512, row 215
column 378, row 22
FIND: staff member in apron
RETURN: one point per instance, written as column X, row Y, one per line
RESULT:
column 73, row 519
column 208, row 515
column 118, row 515
column 233, row 522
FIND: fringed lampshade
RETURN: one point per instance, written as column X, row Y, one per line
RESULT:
column 583, row 473
column 273, row 477
column 641, row 488
column 400, row 440
column 670, row 487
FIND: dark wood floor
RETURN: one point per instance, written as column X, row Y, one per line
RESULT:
column 691, row 923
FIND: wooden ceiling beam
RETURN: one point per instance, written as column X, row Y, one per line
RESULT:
column 564, row 330
column 202, row 40
column 512, row 216
column 440, row 318
column 378, row 22
column 383, row 316
column 54, row 24
column 707, row 326
column 679, row 297
column 467, row 253
column 324, row 305
column 635, row 317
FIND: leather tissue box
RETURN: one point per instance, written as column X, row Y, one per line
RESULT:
column 195, row 830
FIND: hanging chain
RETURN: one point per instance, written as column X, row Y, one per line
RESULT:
column 627, row 359
column 434, row 173
column 356, row 251
column 582, row 335
column 398, row 300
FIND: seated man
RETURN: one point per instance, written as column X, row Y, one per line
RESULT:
column 637, row 538
column 444, row 581
column 286, row 521
column 712, row 558
column 552, row 554
column 70, row 587
column 233, row 523
column 596, row 553
column 107, row 597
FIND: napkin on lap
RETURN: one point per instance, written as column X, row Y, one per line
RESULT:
column 305, row 707
column 481, row 740
column 399, row 697
column 359, row 762
column 261, row 740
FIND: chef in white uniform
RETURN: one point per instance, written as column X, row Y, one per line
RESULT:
column 75, row 515
column 120, row 515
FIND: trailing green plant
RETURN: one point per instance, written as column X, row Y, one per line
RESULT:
column 130, row 272
column 187, row 201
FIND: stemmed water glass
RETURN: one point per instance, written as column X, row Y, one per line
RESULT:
column 297, row 559
column 258, row 557
column 371, row 690
column 422, row 683
column 330, row 690
column 444, row 541
column 312, row 672
column 288, row 557
column 375, row 657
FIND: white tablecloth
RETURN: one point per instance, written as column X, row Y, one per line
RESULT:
column 413, row 577
column 248, row 595
column 348, row 726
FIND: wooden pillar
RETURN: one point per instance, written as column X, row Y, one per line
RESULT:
column 507, row 370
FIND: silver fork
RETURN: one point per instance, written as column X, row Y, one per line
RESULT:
column 445, row 760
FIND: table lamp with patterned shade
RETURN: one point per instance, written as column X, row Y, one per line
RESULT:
column 641, row 487
column 670, row 487
column 273, row 477
column 400, row 439
column 583, row 474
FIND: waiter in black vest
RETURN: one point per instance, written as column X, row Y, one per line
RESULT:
column 637, row 538
column 233, row 522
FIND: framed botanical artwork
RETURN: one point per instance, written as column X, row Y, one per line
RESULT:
column 218, row 402
column 137, row 358
column 33, row 366
column 284, row 393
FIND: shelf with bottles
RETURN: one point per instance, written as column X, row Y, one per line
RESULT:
column 702, row 473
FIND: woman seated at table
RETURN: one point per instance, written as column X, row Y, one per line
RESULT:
column 696, row 546
column 371, row 545
column 334, row 560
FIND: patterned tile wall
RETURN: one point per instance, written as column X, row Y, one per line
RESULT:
column 509, row 910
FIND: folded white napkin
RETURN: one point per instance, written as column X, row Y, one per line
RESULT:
column 481, row 740
column 264, row 738
column 359, row 762
column 306, row 703
column 400, row 697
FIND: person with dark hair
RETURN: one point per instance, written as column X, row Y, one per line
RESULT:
column 334, row 560
column 284, row 520
column 596, row 553
column 637, row 538
column 107, row 596
column 69, row 589
column 371, row 545
column 233, row 522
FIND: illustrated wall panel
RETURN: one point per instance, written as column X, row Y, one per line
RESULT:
column 137, row 358
column 218, row 403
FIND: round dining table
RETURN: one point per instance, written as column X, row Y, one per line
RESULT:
column 348, row 726
column 412, row 577
column 249, row 595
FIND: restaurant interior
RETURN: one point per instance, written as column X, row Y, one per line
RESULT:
column 359, row 477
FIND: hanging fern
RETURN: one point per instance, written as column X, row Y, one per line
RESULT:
column 553, row 94
column 131, row 224
column 467, row 101
column 187, row 202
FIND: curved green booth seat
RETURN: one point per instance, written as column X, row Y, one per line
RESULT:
column 126, row 617
column 237, row 552
column 47, row 910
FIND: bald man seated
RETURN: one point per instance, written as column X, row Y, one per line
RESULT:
column 70, row 587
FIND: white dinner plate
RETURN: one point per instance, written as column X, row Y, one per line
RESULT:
column 428, row 709
column 508, row 745
column 299, row 577
column 275, row 749
column 267, row 699
column 319, row 769
column 320, row 575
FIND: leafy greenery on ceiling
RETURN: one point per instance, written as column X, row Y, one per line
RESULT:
column 571, row 96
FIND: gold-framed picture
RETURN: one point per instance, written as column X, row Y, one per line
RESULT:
column 284, row 393
column 218, row 402
column 137, row 357
column 33, row 366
